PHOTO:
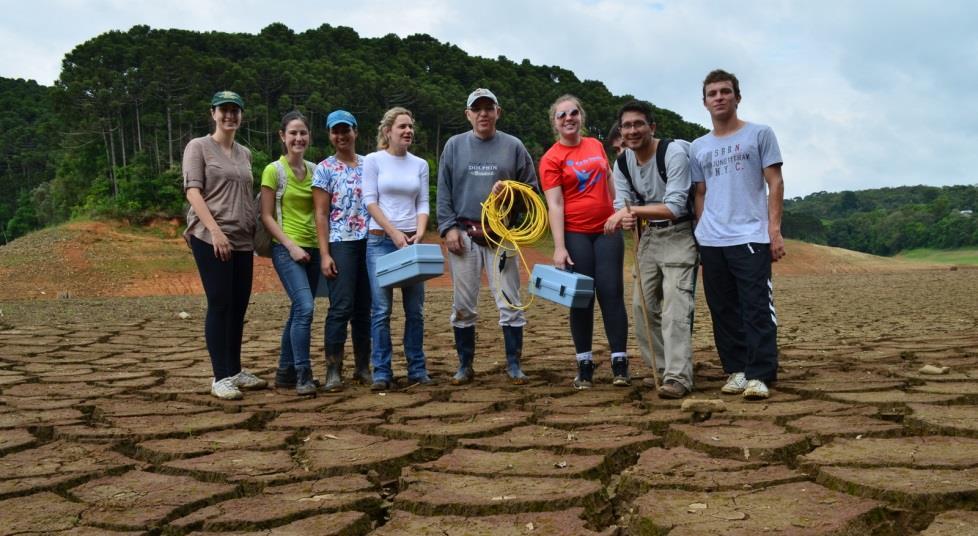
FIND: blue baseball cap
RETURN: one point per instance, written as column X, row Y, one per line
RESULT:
column 338, row 117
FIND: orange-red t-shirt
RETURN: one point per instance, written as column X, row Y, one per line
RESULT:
column 582, row 174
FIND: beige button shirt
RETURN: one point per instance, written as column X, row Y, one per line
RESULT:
column 226, row 186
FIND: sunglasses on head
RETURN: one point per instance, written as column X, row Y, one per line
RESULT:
column 573, row 112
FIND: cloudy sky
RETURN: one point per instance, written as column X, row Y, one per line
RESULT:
column 861, row 94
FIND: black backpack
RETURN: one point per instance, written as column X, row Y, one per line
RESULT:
column 660, row 164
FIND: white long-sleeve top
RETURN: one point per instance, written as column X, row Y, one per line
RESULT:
column 399, row 186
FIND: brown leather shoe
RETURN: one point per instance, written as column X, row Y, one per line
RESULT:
column 672, row 389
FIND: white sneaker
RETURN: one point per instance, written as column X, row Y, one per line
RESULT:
column 225, row 389
column 756, row 390
column 246, row 380
column 735, row 385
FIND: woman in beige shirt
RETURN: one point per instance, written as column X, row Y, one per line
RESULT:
column 220, row 226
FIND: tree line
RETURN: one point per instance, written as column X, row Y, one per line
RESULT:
column 886, row 221
column 107, row 138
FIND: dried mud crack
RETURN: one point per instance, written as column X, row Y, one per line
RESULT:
column 107, row 427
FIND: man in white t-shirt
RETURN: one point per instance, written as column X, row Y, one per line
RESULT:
column 739, row 199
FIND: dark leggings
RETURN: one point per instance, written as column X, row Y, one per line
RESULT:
column 600, row 256
column 228, row 288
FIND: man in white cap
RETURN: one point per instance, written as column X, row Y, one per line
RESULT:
column 473, row 164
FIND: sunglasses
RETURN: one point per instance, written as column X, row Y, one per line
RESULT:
column 574, row 112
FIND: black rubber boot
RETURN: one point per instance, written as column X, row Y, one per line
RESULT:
column 361, row 360
column 513, row 341
column 585, row 374
column 285, row 378
column 334, row 373
column 465, row 346
column 304, row 385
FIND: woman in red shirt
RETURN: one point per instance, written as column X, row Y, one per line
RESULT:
column 576, row 180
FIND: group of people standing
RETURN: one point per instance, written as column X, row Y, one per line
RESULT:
column 339, row 217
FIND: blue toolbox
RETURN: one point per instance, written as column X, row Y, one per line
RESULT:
column 566, row 288
column 410, row 265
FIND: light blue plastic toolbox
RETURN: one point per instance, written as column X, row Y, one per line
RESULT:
column 566, row 288
column 410, row 265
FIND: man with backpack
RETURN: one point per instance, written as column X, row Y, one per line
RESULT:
column 652, row 185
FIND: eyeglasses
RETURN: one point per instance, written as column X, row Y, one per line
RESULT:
column 573, row 112
column 634, row 125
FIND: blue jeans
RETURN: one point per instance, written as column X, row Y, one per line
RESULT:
column 349, row 297
column 300, row 282
column 380, row 318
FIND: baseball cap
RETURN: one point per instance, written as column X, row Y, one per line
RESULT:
column 337, row 117
column 479, row 94
column 226, row 96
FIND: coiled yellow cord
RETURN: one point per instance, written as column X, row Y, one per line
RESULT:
column 495, row 211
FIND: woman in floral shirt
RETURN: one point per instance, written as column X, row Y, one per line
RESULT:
column 341, row 222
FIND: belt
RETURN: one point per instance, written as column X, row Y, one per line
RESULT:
column 668, row 223
column 380, row 232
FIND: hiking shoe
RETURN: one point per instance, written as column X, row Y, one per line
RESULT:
column 735, row 385
column 756, row 390
column 585, row 375
column 619, row 369
column 381, row 385
column 463, row 376
column 246, row 380
column 672, row 390
column 421, row 380
column 517, row 377
column 649, row 382
column 225, row 389
column 362, row 376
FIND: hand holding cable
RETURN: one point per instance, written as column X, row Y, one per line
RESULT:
column 496, row 213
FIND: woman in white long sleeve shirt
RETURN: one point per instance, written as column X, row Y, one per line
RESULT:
column 396, row 195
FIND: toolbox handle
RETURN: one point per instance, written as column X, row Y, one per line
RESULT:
column 539, row 283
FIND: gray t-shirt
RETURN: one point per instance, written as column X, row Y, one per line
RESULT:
column 469, row 167
column 226, row 185
column 735, row 210
column 648, row 182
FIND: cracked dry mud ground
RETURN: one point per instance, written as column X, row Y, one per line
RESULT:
column 106, row 427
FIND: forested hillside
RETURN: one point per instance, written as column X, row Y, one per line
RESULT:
column 886, row 221
column 28, row 140
column 108, row 138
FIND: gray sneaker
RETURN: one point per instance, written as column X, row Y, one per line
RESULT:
column 225, row 389
column 248, row 381
column 735, row 385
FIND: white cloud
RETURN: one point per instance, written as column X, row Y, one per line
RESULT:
column 860, row 94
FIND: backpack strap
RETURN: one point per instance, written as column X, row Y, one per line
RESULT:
column 660, row 158
column 660, row 163
column 622, row 162
column 280, row 191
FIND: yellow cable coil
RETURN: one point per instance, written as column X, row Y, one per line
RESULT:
column 495, row 212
